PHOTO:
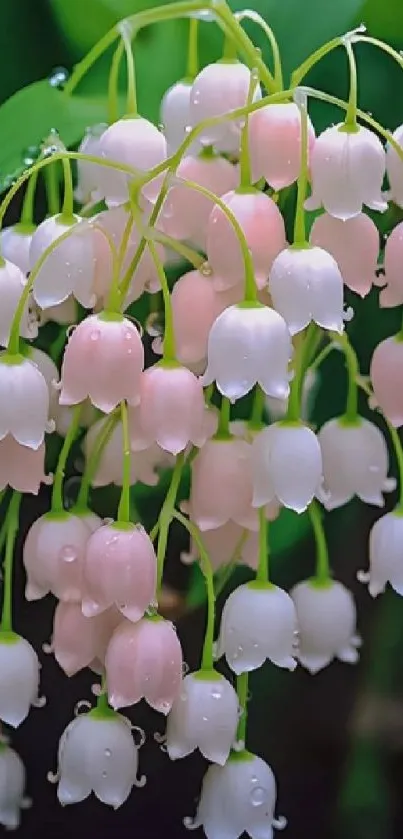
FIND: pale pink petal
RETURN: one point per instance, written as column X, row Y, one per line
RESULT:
column 387, row 375
column 354, row 244
column 275, row 144
column 21, row 468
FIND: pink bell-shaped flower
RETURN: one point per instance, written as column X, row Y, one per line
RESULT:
column 12, row 801
column 392, row 294
column 137, row 143
column 218, row 89
column 97, row 754
column 385, row 554
column 172, row 411
column 354, row 244
column 326, row 616
column 229, row 542
column 88, row 173
column 20, row 678
column 174, row 112
column 221, row 488
column 21, row 468
column 12, row 282
column 114, row 222
column 347, row 171
column 195, row 306
column 355, row 462
column 275, row 144
column 79, row 642
column 69, row 268
column 120, row 568
column 103, row 360
column 110, row 467
column 24, row 401
column 53, row 556
column 186, row 212
column 238, row 798
column 204, row 715
column 15, row 243
column 144, row 660
column 249, row 345
column 394, row 169
column 258, row 622
column 386, row 374
column 305, row 284
column 286, row 464
column 263, row 227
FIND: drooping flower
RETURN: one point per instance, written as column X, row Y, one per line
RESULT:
column 53, row 556
column 19, row 682
column 230, row 542
column 174, row 112
column 237, row 798
column 355, row 462
column 24, row 401
column 15, row 243
column 392, row 294
column 287, row 465
column 258, row 622
column 275, row 143
column 144, row 464
column 217, row 89
column 386, row 373
column 326, row 616
column 103, row 360
column 69, row 267
column 137, row 143
column 385, row 555
column 97, row 754
column 119, row 568
column 354, row 244
column 205, row 716
column 263, row 228
column 394, row 169
column 12, row 282
column 347, row 170
column 79, row 642
column 21, row 468
column 248, row 345
column 88, row 172
column 144, row 660
column 12, row 785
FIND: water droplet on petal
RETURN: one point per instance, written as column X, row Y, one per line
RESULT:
column 68, row 553
column 257, row 796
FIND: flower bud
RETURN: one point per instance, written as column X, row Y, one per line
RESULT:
column 326, row 616
column 19, row 667
column 205, row 716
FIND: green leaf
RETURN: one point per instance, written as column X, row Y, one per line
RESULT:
column 47, row 108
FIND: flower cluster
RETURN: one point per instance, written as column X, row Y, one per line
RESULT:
column 190, row 218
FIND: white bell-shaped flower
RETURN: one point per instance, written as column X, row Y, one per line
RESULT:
column 326, row 617
column 175, row 116
column 12, row 282
column 97, row 754
column 258, row 622
column 15, row 243
column 238, row 798
column 19, row 667
column 385, row 554
column 204, row 716
column 248, row 345
column 347, row 171
column 136, row 143
column 287, row 465
column 69, row 268
column 24, row 401
column 394, row 168
column 306, row 284
column 12, row 786
column 88, row 172
column 355, row 462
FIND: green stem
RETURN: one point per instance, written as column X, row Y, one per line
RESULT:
column 259, row 403
column 229, row 51
column 397, row 445
column 131, row 101
column 306, row 66
column 320, row 358
column 93, row 461
column 385, row 47
column 248, row 14
column 188, row 253
column 245, row 167
column 299, row 223
column 166, row 514
column 193, row 49
column 242, row 682
column 124, row 504
column 68, row 199
column 27, row 214
column 262, row 574
column 52, row 190
column 207, row 662
column 113, row 83
column 223, row 430
column 12, row 529
column 294, row 399
column 322, row 556
column 57, row 505
column 353, row 371
column 250, row 284
column 115, row 300
column 350, row 121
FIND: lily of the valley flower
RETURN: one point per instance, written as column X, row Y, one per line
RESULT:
column 326, row 617
column 19, row 666
column 385, row 554
column 24, row 401
column 12, row 786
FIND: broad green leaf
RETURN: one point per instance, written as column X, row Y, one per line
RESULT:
column 27, row 118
